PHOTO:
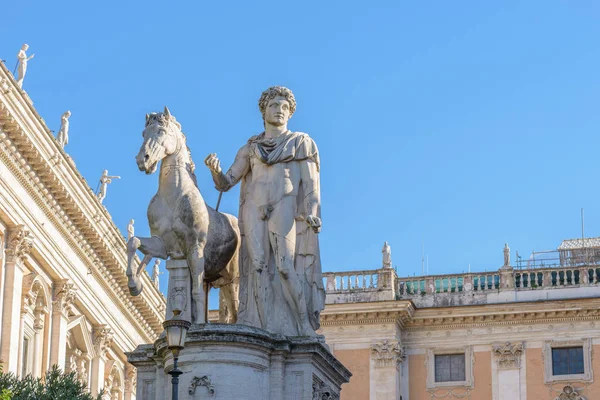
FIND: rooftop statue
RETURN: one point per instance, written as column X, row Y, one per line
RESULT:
column 182, row 225
column 22, row 60
column 387, row 255
column 63, row 133
column 506, row 255
column 281, row 287
column 155, row 273
column 130, row 229
column 105, row 179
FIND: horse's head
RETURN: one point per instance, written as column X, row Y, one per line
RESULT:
column 162, row 137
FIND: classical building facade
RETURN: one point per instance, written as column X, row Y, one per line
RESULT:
column 527, row 332
column 63, row 288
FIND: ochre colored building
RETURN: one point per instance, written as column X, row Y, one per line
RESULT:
column 525, row 332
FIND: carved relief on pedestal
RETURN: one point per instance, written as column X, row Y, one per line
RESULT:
column 508, row 355
column 321, row 391
column 18, row 244
column 64, row 296
column 387, row 354
column 203, row 381
column 102, row 339
column 569, row 393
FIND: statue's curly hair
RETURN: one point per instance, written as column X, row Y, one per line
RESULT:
column 273, row 92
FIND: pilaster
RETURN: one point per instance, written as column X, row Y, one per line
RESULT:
column 102, row 339
column 130, row 382
column 19, row 245
column 508, row 363
column 386, row 357
column 64, row 296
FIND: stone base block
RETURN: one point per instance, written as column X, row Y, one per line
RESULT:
column 226, row 362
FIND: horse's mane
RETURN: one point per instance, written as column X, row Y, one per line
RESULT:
column 169, row 121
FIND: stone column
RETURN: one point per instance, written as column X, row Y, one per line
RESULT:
column 38, row 329
column 386, row 357
column 64, row 296
column 508, row 361
column 102, row 336
column 19, row 245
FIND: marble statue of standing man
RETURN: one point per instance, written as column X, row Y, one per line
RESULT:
column 387, row 255
column 105, row 179
column 281, row 287
column 155, row 273
column 506, row 255
column 63, row 133
column 130, row 230
column 23, row 59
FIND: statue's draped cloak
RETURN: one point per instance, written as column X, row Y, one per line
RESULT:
column 288, row 147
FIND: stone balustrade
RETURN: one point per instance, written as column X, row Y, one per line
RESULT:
column 368, row 285
column 351, row 280
column 434, row 284
column 460, row 289
column 556, row 277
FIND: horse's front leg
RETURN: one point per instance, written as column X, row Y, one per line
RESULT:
column 196, row 265
column 150, row 247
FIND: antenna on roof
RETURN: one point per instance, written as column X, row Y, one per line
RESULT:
column 423, row 259
column 582, row 226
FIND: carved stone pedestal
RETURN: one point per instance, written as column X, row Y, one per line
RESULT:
column 240, row 362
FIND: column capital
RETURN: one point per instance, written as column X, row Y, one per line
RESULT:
column 387, row 353
column 102, row 339
column 508, row 355
column 18, row 244
column 64, row 296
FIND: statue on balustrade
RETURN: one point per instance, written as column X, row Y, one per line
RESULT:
column 387, row 255
column 281, row 288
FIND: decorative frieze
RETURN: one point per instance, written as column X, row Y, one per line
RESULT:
column 19, row 243
column 102, row 339
column 64, row 297
column 508, row 355
column 387, row 354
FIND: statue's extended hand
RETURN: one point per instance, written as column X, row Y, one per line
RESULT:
column 213, row 163
column 314, row 223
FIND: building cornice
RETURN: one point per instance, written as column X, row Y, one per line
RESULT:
column 550, row 311
column 399, row 312
column 45, row 171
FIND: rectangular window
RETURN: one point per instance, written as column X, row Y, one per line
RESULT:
column 567, row 361
column 450, row 368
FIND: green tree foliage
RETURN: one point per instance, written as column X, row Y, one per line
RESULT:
column 56, row 385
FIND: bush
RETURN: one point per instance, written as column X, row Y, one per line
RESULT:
column 55, row 386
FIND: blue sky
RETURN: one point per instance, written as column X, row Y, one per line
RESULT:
column 458, row 125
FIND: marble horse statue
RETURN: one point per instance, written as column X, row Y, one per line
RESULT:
column 182, row 225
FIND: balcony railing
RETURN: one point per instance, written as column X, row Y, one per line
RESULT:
column 477, row 282
column 551, row 270
column 351, row 281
